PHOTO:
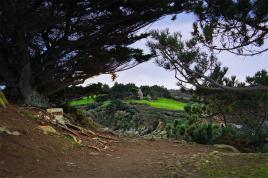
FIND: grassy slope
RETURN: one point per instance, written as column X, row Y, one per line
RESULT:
column 162, row 103
column 83, row 101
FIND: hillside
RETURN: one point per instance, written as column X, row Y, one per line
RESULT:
column 35, row 154
column 161, row 103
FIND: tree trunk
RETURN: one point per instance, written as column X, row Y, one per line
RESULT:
column 25, row 82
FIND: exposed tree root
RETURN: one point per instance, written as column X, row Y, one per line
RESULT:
column 93, row 147
column 77, row 130
column 67, row 129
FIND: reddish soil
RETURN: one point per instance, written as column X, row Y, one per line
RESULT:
column 34, row 154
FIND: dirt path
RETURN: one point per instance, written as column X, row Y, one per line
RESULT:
column 33, row 154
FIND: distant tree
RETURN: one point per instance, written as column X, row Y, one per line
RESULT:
column 121, row 91
column 155, row 91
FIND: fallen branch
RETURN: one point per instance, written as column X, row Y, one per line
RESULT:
column 74, row 126
column 67, row 129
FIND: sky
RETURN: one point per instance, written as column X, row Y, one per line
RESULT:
column 149, row 73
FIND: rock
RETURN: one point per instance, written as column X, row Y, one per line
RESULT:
column 7, row 131
column 265, row 124
column 58, row 114
column 70, row 164
column 104, row 129
column 163, row 134
column 131, row 132
column 228, row 148
column 237, row 126
column 93, row 153
column 214, row 153
column 47, row 129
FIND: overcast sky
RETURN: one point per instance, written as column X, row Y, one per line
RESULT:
column 150, row 74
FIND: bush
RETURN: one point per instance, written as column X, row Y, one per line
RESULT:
column 206, row 133
column 192, row 128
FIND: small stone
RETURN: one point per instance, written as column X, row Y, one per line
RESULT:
column 70, row 164
column 58, row 114
column 7, row 131
column 93, row 153
column 214, row 153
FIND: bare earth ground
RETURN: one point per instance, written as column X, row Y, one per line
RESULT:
column 33, row 154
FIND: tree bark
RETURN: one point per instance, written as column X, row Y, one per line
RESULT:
column 25, row 81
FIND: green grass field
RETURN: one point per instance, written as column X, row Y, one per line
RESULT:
column 162, row 103
column 83, row 101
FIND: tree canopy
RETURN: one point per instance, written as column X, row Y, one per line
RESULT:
column 194, row 66
column 48, row 45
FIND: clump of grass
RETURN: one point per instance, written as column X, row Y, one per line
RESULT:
column 80, row 116
column 73, row 139
column 248, row 167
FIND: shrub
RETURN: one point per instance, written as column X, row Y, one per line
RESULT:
column 193, row 128
column 85, row 119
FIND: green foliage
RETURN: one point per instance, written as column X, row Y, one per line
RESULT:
column 155, row 91
column 80, row 91
column 82, row 117
column 121, row 91
column 85, row 119
column 83, row 101
column 195, row 128
column 249, row 109
column 205, row 133
column 120, row 115
column 115, row 114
